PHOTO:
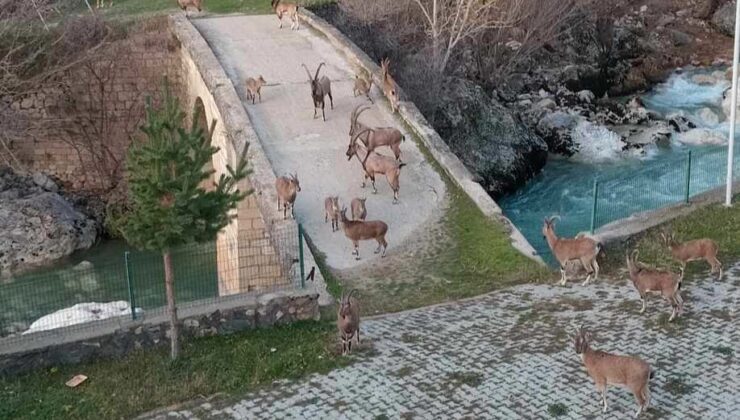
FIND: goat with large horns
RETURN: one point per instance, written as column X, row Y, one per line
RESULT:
column 320, row 88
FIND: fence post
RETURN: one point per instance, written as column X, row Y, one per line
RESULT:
column 688, row 178
column 300, row 255
column 130, row 283
column 593, row 209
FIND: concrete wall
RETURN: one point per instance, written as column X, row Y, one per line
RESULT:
column 115, row 338
column 412, row 117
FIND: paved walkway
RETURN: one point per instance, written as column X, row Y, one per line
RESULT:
column 248, row 46
column 507, row 355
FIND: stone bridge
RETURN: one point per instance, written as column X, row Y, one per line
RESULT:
column 217, row 55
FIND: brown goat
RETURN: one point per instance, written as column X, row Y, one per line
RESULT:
column 581, row 248
column 374, row 163
column 284, row 8
column 362, row 87
column 331, row 211
column 377, row 137
column 359, row 211
column 649, row 280
column 348, row 321
column 389, row 85
column 607, row 369
column 699, row 249
column 287, row 190
column 254, row 88
column 319, row 89
column 358, row 230
column 184, row 4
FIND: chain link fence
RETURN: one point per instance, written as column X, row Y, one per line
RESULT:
column 130, row 283
column 660, row 185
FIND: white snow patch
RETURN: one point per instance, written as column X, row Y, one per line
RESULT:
column 81, row 314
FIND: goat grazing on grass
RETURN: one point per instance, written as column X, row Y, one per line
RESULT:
column 359, row 230
column 362, row 86
column 331, row 211
column 254, row 88
column 649, row 280
column 389, row 85
column 610, row 369
column 359, row 211
column 284, row 8
column 184, row 4
column 377, row 137
column 581, row 248
column 348, row 321
column 374, row 163
column 287, row 191
column 319, row 89
column 699, row 249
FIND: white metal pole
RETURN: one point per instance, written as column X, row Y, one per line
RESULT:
column 733, row 110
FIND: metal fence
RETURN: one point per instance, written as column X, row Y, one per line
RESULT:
column 659, row 185
column 132, row 282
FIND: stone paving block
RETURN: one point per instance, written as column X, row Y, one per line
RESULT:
column 531, row 363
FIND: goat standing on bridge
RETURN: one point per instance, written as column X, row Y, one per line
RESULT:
column 319, row 89
column 184, row 4
column 287, row 190
column 380, row 136
column 286, row 8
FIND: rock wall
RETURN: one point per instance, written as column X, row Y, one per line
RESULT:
column 70, row 110
column 37, row 224
column 201, row 319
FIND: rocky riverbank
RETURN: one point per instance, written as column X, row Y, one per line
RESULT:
column 40, row 223
column 578, row 95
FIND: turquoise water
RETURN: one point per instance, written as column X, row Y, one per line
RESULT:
column 631, row 183
column 27, row 297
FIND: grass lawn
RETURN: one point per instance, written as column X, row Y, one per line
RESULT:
column 147, row 380
column 716, row 221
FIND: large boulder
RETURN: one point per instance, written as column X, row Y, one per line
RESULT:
column 724, row 18
column 489, row 139
column 37, row 225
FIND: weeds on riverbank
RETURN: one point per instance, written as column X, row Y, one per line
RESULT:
column 716, row 221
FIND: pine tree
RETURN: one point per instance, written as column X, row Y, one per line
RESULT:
column 168, row 206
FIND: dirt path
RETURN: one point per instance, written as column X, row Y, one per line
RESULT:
column 295, row 142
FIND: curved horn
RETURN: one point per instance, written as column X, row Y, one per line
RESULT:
column 364, row 108
column 351, row 292
column 317, row 71
column 353, row 117
column 356, row 136
column 552, row 219
column 308, row 73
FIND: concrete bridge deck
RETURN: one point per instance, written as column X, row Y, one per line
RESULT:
column 295, row 142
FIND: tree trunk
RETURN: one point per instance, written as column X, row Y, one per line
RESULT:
column 169, row 283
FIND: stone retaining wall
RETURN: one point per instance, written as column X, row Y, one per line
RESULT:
column 66, row 113
column 115, row 338
column 411, row 115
